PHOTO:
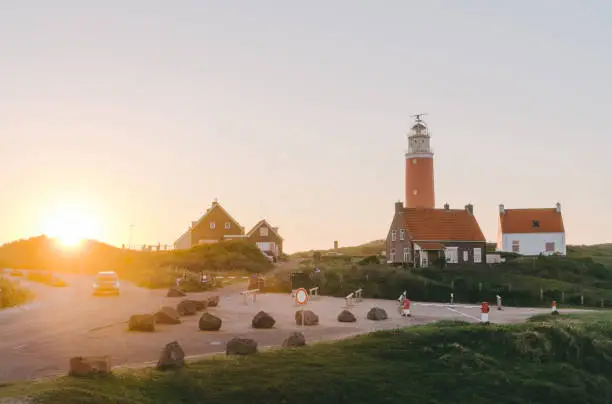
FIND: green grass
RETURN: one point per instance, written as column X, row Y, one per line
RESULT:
column 566, row 359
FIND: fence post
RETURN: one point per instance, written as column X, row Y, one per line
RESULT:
column 582, row 300
column 509, row 287
column 562, row 296
column 602, row 303
column 541, row 294
column 453, row 284
column 479, row 286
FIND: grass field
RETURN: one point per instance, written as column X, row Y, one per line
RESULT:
column 560, row 360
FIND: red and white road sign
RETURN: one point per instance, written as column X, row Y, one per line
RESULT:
column 301, row 296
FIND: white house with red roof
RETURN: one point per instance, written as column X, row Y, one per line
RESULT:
column 531, row 231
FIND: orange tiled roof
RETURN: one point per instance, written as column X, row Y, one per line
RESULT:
column 522, row 221
column 442, row 225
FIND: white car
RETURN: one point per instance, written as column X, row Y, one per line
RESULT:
column 106, row 282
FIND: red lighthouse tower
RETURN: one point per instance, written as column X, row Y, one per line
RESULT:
column 419, row 167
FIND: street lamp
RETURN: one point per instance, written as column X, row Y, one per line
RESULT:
column 130, row 242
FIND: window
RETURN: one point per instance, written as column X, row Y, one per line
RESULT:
column 393, row 236
column 535, row 223
column 550, row 247
column 451, row 255
column 212, row 225
column 407, row 257
column 263, row 231
column 392, row 255
column 477, row 255
column 402, row 234
column 424, row 259
column 515, row 246
column 466, row 256
column 227, row 225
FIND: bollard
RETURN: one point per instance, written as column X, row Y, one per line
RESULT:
column 484, row 313
column 582, row 300
column 358, row 295
column 554, row 308
column 349, row 300
column 253, row 292
column 452, row 298
column 406, row 308
column 499, row 302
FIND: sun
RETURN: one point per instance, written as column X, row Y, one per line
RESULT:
column 70, row 226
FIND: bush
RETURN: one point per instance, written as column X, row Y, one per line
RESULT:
column 46, row 278
column 11, row 294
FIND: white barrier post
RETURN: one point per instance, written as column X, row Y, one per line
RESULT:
column 406, row 308
column 314, row 292
column 499, row 302
column 358, row 294
column 554, row 307
column 349, row 300
column 247, row 292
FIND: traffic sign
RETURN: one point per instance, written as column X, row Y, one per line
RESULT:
column 301, row 296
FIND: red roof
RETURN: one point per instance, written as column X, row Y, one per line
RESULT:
column 531, row 221
column 442, row 225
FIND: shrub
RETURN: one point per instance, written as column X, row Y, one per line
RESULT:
column 11, row 294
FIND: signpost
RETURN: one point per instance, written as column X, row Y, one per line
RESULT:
column 301, row 298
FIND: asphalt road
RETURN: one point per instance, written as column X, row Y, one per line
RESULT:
column 38, row 339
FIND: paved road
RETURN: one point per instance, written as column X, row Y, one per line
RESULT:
column 38, row 339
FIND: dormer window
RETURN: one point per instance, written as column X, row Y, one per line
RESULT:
column 535, row 223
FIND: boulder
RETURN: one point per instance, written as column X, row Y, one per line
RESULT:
column 172, row 357
column 377, row 314
column 85, row 365
column 296, row 339
column 241, row 346
column 213, row 301
column 174, row 292
column 201, row 305
column 346, row 316
column 263, row 320
column 187, row 307
column 309, row 317
column 142, row 322
column 208, row 322
column 167, row 315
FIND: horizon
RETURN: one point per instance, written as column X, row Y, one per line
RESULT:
column 131, row 113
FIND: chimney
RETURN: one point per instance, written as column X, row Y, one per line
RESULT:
column 446, row 206
column 335, row 244
column 399, row 206
column 558, row 207
column 470, row 208
column 501, row 209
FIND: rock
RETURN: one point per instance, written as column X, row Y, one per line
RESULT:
column 172, row 357
column 167, row 315
column 201, row 305
column 263, row 320
column 142, row 322
column 377, row 314
column 85, row 365
column 213, row 301
column 174, row 292
column 296, row 339
column 309, row 318
column 241, row 346
column 208, row 322
column 187, row 307
column 346, row 317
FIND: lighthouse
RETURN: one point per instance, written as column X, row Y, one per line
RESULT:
column 419, row 167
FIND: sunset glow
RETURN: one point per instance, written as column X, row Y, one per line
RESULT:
column 71, row 226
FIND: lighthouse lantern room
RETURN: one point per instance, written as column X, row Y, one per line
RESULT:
column 419, row 167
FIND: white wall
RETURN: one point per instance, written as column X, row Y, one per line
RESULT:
column 534, row 243
column 183, row 242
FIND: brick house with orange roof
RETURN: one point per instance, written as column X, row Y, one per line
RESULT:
column 421, row 236
column 531, row 231
column 216, row 224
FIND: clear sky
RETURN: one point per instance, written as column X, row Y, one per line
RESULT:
column 141, row 112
